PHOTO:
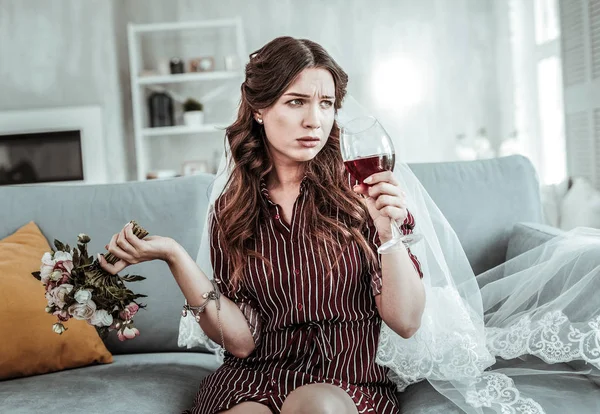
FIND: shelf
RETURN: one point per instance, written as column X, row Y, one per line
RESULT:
column 213, row 83
column 182, row 130
column 187, row 77
column 203, row 24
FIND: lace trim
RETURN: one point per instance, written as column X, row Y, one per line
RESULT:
column 191, row 335
column 553, row 338
column 451, row 348
column 498, row 392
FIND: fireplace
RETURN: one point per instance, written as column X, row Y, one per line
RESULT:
column 41, row 157
column 58, row 145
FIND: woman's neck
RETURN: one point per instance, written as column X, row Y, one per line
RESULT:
column 285, row 177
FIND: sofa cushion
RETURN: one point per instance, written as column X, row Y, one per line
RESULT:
column 524, row 237
column 29, row 346
column 175, row 208
column 482, row 201
column 140, row 383
column 527, row 236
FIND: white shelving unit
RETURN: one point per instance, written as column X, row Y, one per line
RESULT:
column 139, row 83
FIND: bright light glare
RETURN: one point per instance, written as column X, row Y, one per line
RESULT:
column 398, row 84
column 552, row 120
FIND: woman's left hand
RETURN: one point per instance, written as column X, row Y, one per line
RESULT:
column 385, row 201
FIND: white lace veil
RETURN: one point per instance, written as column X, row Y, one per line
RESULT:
column 540, row 309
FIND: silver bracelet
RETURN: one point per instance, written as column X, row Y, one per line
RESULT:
column 215, row 295
column 208, row 296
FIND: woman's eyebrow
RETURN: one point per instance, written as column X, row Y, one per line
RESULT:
column 303, row 95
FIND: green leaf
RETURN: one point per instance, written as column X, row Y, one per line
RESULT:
column 139, row 295
column 76, row 259
column 59, row 246
column 132, row 278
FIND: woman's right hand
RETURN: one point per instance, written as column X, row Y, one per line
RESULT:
column 129, row 249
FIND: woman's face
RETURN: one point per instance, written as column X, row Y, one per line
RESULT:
column 297, row 126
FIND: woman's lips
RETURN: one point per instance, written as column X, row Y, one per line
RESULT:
column 309, row 142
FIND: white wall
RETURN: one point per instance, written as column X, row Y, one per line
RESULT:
column 74, row 52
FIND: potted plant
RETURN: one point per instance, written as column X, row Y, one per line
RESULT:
column 193, row 114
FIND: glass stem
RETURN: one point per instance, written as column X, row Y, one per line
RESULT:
column 396, row 232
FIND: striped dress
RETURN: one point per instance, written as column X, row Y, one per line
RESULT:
column 308, row 328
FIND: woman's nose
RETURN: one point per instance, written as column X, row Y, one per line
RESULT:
column 311, row 118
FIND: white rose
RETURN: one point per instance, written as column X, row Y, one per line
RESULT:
column 45, row 273
column 59, row 328
column 46, row 268
column 47, row 259
column 101, row 318
column 83, row 311
column 58, row 295
column 62, row 256
column 83, row 295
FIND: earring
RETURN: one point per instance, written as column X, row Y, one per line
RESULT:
column 259, row 120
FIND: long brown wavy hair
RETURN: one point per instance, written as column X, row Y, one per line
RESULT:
column 241, row 208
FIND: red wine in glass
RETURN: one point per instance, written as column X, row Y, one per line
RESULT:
column 367, row 149
column 361, row 168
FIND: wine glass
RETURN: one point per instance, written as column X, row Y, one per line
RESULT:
column 367, row 149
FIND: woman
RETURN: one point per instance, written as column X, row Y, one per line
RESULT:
column 294, row 249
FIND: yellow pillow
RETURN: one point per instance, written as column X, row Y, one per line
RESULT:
column 28, row 345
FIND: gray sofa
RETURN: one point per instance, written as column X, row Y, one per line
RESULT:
column 493, row 205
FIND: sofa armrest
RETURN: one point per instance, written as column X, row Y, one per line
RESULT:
column 527, row 236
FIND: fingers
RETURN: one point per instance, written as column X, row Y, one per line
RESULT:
column 394, row 213
column 131, row 238
column 375, row 191
column 384, row 176
column 361, row 189
column 386, row 200
column 118, row 251
column 113, row 269
column 384, row 188
column 124, row 243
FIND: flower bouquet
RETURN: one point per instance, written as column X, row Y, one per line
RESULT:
column 77, row 287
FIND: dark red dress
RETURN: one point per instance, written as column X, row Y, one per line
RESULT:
column 308, row 328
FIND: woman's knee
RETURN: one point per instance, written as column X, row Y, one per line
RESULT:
column 318, row 399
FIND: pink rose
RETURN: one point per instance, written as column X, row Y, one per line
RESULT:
column 65, row 267
column 127, row 333
column 62, row 315
column 115, row 325
column 58, row 295
column 129, row 312
column 64, row 279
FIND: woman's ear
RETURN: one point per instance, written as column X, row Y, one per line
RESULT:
column 258, row 117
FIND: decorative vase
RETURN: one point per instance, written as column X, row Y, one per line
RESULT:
column 193, row 118
column 160, row 105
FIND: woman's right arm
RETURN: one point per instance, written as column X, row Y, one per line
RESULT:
column 193, row 283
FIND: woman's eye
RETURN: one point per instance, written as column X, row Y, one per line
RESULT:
column 326, row 104
column 295, row 102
